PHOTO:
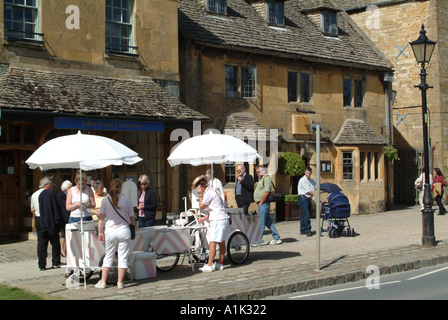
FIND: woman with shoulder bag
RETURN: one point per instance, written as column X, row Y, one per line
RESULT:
column 120, row 217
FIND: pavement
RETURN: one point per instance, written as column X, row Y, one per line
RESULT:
column 390, row 240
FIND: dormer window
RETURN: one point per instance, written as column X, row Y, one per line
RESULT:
column 329, row 23
column 217, row 6
column 276, row 12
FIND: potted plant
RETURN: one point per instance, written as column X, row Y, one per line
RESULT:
column 292, row 165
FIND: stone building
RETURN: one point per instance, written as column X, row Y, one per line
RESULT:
column 282, row 65
column 391, row 25
column 70, row 65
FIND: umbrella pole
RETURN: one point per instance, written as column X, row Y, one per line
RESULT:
column 82, row 229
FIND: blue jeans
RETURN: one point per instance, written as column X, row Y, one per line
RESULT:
column 142, row 223
column 305, row 208
column 75, row 220
column 266, row 221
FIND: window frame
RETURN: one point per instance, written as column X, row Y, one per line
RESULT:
column 129, row 38
column 21, row 35
column 248, row 89
column 231, row 94
column 297, row 89
column 275, row 11
column 329, row 23
column 216, row 6
column 347, row 175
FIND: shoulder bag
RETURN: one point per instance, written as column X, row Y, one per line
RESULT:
column 131, row 226
column 274, row 196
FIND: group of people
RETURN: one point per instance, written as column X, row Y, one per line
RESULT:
column 437, row 189
column 113, row 210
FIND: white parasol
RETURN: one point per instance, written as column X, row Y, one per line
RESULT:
column 212, row 148
column 86, row 152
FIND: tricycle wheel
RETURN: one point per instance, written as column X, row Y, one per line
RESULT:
column 167, row 262
column 238, row 248
column 334, row 233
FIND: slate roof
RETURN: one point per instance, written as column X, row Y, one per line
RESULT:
column 58, row 91
column 356, row 132
column 245, row 29
column 245, row 126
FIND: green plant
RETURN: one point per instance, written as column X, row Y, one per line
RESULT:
column 293, row 198
column 291, row 164
column 390, row 153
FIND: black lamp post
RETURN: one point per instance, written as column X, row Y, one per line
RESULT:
column 423, row 49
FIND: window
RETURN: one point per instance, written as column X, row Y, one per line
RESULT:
column 377, row 164
column 358, row 94
column 369, row 162
column 119, row 26
column 248, row 82
column 230, row 172
column 216, row 6
column 347, row 92
column 292, row 86
column 172, row 87
column 20, row 17
column 305, row 87
column 231, row 81
column 276, row 12
column 150, row 147
column 362, row 159
column 330, row 23
column 347, row 165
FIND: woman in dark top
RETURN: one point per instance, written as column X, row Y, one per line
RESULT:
column 62, row 198
column 147, row 204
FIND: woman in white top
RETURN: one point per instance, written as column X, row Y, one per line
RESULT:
column 119, row 214
column 219, row 221
column 72, row 203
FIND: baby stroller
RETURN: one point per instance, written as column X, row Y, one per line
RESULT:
column 335, row 211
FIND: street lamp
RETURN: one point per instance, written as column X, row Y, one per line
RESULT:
column 423, row 49
column 318, row 128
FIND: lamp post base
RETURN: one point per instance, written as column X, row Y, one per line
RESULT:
column 428, row 239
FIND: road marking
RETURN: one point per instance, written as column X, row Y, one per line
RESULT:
column 427, row 274
column 340, row 290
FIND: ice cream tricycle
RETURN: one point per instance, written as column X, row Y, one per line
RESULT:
column 159, row 248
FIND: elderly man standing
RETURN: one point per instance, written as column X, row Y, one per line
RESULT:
column 260, row 196
column 244, row 189
column 305, row 190
column 50, row 224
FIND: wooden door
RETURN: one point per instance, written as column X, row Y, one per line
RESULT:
column 9, row 191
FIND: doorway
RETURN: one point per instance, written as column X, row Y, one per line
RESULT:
column 9, row 196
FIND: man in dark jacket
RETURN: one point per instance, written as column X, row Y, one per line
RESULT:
column 50, row 221
column 244, row 189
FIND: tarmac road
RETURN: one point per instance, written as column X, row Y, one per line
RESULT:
column 389, row 240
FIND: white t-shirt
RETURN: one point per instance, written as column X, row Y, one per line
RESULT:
column 85, row 200
column 113, row 220
column 35, row 202
column 305, row 186
column 215, row 205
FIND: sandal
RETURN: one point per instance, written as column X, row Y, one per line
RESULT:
column 63, row 255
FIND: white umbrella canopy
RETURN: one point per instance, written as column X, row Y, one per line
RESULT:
column 212, row 148
column 87, row 152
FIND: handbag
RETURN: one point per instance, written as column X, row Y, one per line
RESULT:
column 131, row 226
column 274, row 196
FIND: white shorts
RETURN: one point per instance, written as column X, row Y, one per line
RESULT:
column 219, row 230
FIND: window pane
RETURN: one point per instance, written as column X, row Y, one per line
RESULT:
column 305, row 87
column 347, row 92
column 347, row 165
column 248, row 82
column 358, row 93
column 231, row 81
column 292, row 86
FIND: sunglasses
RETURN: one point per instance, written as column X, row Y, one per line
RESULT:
column 143, row 184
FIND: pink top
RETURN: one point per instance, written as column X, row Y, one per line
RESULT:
column 141, row 202
column 215, row 205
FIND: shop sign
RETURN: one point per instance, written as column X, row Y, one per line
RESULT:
column 107, row 124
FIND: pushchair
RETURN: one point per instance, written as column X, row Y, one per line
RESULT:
column 335, row 211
